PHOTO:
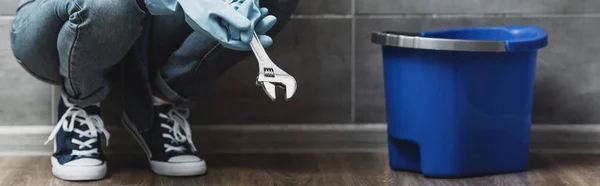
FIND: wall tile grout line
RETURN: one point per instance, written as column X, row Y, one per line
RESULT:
column 416, row 15
column 353, row 64
column 322, row 16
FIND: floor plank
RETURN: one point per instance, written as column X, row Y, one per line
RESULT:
column 305, row 169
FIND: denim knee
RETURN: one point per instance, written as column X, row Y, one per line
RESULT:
column 117, row 14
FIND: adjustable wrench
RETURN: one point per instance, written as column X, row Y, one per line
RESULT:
column 269, row 74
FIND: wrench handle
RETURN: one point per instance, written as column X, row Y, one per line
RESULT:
column 259, row 51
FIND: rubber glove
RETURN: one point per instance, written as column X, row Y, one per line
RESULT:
column 163, row 7
column 217, row 18
column 206, row 15
column 262, row 22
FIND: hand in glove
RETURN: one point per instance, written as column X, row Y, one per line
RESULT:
column 262, row 22
column 233, row 29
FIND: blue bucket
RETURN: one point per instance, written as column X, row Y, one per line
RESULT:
column 459, row 101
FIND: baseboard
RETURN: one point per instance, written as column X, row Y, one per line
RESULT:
column 28, row 140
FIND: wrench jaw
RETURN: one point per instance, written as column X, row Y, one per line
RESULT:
column 269, row 89
column 284, row 82
column 290, row 87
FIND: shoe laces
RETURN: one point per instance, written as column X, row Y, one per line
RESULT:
column 179, row 132
column 94, row 124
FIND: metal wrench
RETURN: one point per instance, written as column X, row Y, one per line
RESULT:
column 270, row 74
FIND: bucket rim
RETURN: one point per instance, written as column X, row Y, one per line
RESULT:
column 412, row 40
column 536, row 38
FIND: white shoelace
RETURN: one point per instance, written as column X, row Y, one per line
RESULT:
column 179, row 119
column 94, row 124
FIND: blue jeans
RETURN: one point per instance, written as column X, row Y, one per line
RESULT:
column 76, row 43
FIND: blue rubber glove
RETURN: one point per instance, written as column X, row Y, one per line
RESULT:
column 262, row 22
column 163, row 7
column 206, row 15
column 265, row 23
column 220, row 20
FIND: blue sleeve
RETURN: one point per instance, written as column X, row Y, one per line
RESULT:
column 163, row 7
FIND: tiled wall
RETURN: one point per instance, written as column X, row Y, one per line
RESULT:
column 23, row 99
column 327, row 48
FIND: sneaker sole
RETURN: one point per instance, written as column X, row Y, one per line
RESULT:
column 178, row 169
column 78, row 173
column 164, row 168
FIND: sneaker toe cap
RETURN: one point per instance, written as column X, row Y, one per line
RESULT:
column 84, row 162
column 184, row 159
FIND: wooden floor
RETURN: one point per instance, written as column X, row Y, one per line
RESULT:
column 304, row 169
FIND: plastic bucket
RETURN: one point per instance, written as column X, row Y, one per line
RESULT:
column 459, row 101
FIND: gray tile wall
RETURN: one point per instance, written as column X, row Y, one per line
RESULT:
column 327, row 47
column 23, row 99
column 8, row 7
